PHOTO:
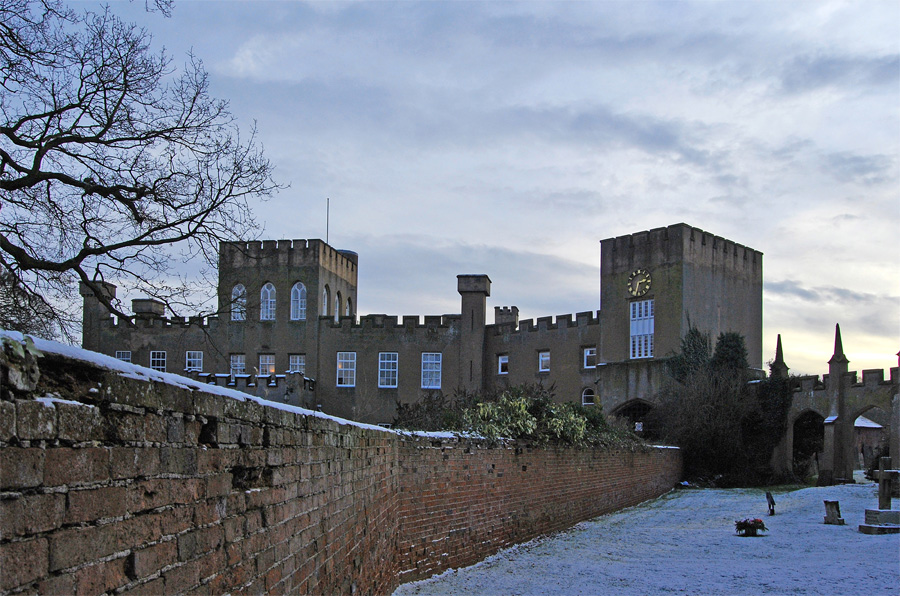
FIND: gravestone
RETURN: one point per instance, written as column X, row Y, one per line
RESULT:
column 833, row 513
column 883, row 520
column 771, row 501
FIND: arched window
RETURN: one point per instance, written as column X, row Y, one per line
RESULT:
column 337, row 306
column 267, row 303
column 587, row 397
column 325, row 299
column 348, row 310
column 298, row 302
column 238, row 303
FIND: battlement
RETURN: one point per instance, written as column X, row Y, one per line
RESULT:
column 582, row 319
column 298, row 251
column 208, row 322
column 870, row 378
column 381, row 321
column 676, row 238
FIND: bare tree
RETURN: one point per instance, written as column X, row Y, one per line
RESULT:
column 109, row 157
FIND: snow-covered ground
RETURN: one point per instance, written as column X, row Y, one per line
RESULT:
column 684, row 543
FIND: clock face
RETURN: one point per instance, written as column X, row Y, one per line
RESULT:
column 639, row 282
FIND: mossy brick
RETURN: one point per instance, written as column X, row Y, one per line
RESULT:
column 21, row 467
column 219, row 485
column 35, row 420
column 7, row 420
column 147, row 561
column 160, row 492
column 66, row 466
column 133, row 462
column 209, row 405
column 155, row 428
column 79, row 422
column 199, row 541
column 31, row 514
column 57, row 585
column 183, row 578
column 95, row 503
column 178, row 460
column 174, row 428
column 76, row 546
column 123, row 426
column 101, row 577
column 154, row 587
column 22, row 563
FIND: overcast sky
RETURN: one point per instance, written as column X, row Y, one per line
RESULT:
column 510, row 138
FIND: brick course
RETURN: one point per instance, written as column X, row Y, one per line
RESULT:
column 142, row 488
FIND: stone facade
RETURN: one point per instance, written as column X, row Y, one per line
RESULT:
column 653, row 284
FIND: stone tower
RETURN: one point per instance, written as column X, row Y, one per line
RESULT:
column 655, row 284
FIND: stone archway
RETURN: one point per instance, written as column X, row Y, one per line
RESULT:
column 871, row 433
column 808, row 442
column 637, row 413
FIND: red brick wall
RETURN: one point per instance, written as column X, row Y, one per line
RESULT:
column 148, row 488
column 461, row 502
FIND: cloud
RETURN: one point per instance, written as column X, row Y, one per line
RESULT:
column 803, row 74
column 867, row 170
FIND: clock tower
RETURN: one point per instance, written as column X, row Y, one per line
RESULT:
column 654, row 284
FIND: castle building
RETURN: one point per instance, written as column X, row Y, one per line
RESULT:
column 288, row 329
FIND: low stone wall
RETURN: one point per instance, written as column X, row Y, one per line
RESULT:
column 113, row 484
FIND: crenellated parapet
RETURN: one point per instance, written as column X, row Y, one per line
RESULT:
column 388, row 322
column 299, row 252
column 871, row 379
column 673, row 239
column 543, row 324
column 209, row 323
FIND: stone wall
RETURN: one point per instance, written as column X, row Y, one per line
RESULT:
column 116, row 484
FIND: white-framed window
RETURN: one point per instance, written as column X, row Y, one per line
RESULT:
column 503, row 364
column 267, row 364
column 543, row 362
column 297, row 363
column 590, row 357
column 238, row 364
column 238, row 303
column 346, row 369
column 641, row 318
column 431, row 370
column 298, row 302
column 587, row 397
column 267, row 303
column 123, row 355
column 193, row 361
column 388, row 365
column 158, row 361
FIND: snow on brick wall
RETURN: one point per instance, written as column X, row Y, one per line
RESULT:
column 119, row 480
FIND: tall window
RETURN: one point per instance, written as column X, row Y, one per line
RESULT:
column 297, row 363
column 337, row 307
column 348, row 308
column 503, row 364
column 238, row 303
column 642, row 329
column 267, row 364
column 431, row 370
column 325, row 299
column 590, row 357
column 388, row 364
column 123, row 355
column 267, row 303
column 193, row 361
column 298, row 302
column 238, row 364
column 543, row 362
column 346, row 369
column 158, row 361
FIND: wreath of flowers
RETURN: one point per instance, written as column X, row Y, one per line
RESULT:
column 749, row 526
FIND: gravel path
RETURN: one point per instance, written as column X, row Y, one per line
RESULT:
column 684, row 543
